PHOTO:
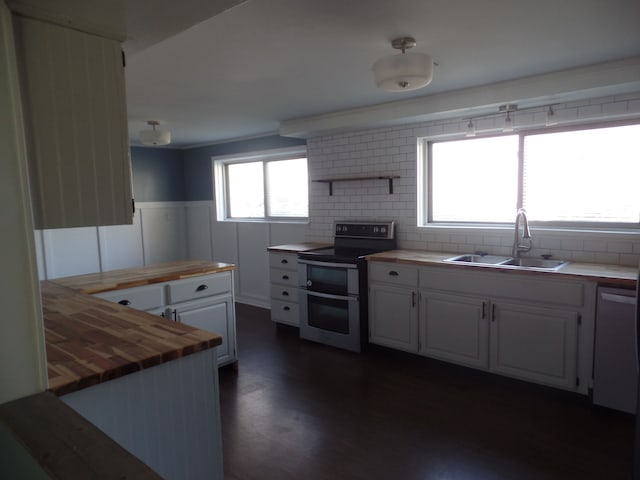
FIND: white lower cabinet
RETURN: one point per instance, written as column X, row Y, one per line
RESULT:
column 532, row 343
column 531, row 327
column 203, row 301
column 393, row 317
column 213, row 314
column 454, row 328
column 284, row 288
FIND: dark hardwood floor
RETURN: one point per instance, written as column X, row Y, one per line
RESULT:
column 300, row 410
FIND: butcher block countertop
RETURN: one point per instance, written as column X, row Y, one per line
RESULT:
column 614, row 275
column 299, row 247
column 90, row 340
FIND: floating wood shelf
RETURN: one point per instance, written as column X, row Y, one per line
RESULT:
column 330, row 181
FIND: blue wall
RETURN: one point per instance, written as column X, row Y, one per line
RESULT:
column 172, row 175
column 158, row 174
column 197, row 161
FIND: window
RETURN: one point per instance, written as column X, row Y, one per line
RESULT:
column 267, row 186
column 586, row 177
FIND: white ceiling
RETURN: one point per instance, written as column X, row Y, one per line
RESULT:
column 242, row 72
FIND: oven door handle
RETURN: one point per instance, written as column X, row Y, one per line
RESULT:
column 327, row 264
column 350, row 298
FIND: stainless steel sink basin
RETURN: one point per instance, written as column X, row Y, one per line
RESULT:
column 478, row 259
column 498, row 261
column 539, row 263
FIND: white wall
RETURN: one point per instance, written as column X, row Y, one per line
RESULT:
column 394, row 151
column 165, row 232
column 23, row 369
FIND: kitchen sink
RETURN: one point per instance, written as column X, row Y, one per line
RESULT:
column 478, row 259
column 498, row 261
column 536, row 263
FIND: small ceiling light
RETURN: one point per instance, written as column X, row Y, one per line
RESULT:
column 471, row 129
column 403, row 72
column 154, row 137
column 551, row 117
column 508, row 122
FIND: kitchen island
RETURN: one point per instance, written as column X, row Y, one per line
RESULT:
column 149, row 383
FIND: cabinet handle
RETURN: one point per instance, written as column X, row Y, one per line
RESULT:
column 413, row 299
column 393, row 273
column 201, row 288
column 286, row 309
column 285, row 293
column 284, row 260
column 124, row 302
column 493, row 312
column 484, row 309
column 174, row 313
column 162, row 314
column 285, row 277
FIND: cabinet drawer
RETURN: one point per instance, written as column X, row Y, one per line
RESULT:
column 393, row 273
column 285, row 312
column 140, row 298
column 286, row 261
column 284, row 293
column 284, row 277
column 198, row 287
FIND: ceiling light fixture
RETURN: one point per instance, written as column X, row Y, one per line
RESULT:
column 508, row 121
column 471, row 129
column 154, row 137
column 551, row 117
column 403, row 72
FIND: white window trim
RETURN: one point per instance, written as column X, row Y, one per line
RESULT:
column 220, row 194
column 452, row 228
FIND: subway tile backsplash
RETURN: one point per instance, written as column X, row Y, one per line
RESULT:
column 394, row 150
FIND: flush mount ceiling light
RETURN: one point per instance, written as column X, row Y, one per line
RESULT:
column 154, row 137
column 405, row 71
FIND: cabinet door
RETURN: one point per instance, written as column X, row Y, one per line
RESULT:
column 393, row 317
column 454, row 328
column 76, row 118
column 215, row 315
column 532, row 343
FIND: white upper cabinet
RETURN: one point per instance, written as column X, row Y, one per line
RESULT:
column 76, row 125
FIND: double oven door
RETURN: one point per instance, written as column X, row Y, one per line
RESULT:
column 330, row 303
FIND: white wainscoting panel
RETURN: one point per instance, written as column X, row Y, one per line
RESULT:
column 283, row 233
column 168, row 416
column 199, row 242
column 164, row 233
column 39, row 244
column 253, row 240
column 121, row 245
column 71, row 251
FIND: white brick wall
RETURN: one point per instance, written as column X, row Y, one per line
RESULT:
column 393, row 151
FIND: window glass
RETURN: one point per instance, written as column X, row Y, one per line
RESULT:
column 245, row 186
column 287, row 188
column 583, row 175
column 474, row 180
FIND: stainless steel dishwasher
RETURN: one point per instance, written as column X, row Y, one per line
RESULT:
column 615, row 370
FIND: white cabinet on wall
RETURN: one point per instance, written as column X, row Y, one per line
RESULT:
column 75, row 124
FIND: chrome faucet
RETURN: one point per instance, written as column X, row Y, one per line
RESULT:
column 519, row 245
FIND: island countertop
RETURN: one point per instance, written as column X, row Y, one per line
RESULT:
column 90, row 340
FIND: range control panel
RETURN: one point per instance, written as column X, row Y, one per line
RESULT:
column 365, row 229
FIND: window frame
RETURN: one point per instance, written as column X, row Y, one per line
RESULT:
column 425, row 200
column 221, row 182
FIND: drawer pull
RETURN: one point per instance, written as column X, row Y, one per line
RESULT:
column 285, row 293
column 124, row 302
column 393, row 273
column 285, row 277
column 286, row 309
column 284, row 260
column 201, row 288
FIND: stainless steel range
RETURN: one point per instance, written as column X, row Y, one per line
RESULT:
column 333, row 284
